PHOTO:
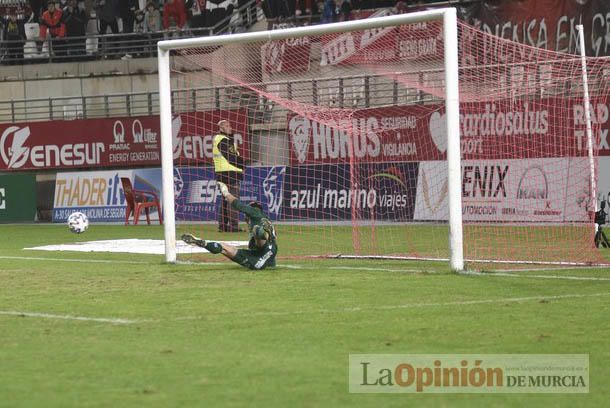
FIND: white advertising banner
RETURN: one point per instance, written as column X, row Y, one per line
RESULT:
column 603, row 185
column 532, row 190
column 98, row 194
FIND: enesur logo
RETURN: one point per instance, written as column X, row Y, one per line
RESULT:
column 194, row 147
column 15, row 153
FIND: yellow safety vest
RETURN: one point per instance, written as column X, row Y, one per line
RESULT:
column 220, row 162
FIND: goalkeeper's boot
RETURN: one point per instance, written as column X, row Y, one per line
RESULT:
column 190, row 239
column 211, row 246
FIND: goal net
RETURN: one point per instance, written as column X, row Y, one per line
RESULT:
column 355, row 148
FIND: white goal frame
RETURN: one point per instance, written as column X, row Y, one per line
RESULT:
column 452, row 107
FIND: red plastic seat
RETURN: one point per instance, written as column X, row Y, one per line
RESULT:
column 138, row 200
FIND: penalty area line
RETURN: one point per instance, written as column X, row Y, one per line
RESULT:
column 69, row 317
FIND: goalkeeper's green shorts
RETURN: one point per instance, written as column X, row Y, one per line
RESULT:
column 256, row 258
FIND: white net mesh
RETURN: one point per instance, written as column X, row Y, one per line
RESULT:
column 346, row 142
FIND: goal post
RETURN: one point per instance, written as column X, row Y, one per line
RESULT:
column 450, row 37
column 452, row 106
column 167, row 159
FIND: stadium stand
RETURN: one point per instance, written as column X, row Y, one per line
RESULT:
column 83, row 22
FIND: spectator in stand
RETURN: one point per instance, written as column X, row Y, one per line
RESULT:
column 174, row 15
column 346, row 11
column 127, row 9
column 196, row 13
column 217, row 13
column 400, row 7
column 299, row 6
column 152, row 18
column 75, row 20
column 107, row 12
column 139, row 44
column 138, row 25
column 329, row 12
column 14, row 33
column 51, row 23
column 36, row 7
column 276, row 8
column 152, row 25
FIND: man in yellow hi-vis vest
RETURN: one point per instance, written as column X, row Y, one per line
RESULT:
column 229, row 168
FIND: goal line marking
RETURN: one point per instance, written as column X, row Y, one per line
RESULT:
column 528, row 276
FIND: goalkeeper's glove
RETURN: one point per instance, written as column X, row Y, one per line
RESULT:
column 258, row 232
column 224, row 190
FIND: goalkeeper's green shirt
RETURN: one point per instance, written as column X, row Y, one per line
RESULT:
column 256, row 217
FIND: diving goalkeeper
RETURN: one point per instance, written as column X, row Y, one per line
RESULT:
column 262, row 246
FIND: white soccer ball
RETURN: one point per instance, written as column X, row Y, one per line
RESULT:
column 78, row 222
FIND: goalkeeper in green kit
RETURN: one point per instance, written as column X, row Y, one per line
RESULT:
column 262, row 246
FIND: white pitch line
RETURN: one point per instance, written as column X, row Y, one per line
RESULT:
column 289, row 266
column 106, row 261
column 365, row 268
column 516, row 275
column 559, row 268
column 69, row 317
column 304, row 312
column 397, row 307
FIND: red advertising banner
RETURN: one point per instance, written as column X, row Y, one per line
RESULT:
column 548, row 24
column 115, row 142
column 372, row 135
column 411, row 42
column 290, row 55
column 519, row 130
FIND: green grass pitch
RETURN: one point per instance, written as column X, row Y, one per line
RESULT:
column 218, row 335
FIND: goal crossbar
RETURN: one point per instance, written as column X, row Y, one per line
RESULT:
column 274, row 35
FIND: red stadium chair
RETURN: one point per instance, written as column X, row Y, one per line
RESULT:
column 138, row 200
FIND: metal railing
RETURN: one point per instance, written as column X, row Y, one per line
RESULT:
column 112, row 46
column 353, row 92
column 347, row 92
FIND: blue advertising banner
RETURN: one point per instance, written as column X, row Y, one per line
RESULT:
column 198, row 198
column 196, row 194
column 379, row 191
column 100, row 195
